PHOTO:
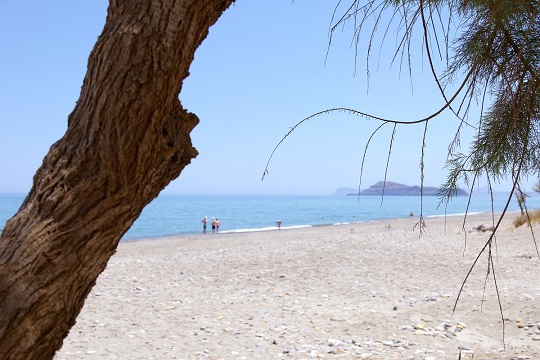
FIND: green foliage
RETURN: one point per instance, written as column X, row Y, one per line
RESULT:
column 500, row 47
column 492, row 48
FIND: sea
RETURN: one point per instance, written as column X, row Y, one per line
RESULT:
column 170, row 215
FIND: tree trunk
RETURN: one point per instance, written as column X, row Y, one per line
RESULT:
column 127, row 138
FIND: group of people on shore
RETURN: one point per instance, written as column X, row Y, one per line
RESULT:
column 215, row 225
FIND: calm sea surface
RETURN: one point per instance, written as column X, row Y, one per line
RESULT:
column 182, row 214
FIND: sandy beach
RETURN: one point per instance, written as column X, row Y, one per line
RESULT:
column 357, row 291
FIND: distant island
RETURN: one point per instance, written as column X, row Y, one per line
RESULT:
column 394, row 189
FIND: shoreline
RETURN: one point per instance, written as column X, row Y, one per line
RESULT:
column 293, row 227
column 358, row 291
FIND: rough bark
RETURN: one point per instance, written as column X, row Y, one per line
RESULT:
column 127, row 138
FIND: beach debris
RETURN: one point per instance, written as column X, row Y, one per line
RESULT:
column 482, row 228
column 444, row 328
column 333, row 342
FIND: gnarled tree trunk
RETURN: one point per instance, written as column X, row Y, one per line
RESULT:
column 127, row 138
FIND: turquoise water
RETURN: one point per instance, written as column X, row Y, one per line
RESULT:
column 182, row 214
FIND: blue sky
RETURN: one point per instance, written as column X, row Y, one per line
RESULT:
column 263, row 68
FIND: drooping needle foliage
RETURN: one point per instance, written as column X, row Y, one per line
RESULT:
column 491, row 48
column 491, row 51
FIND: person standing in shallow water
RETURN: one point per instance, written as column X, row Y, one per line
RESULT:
column 213, row 225
column 204, row 221
column 218, row 224
column 278, row 224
